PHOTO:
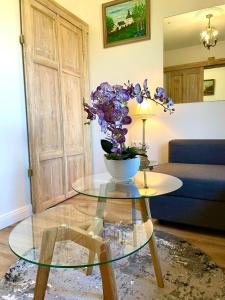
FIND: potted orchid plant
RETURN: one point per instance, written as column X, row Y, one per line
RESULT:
column 109, row 105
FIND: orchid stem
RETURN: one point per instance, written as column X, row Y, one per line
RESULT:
column 161, row 104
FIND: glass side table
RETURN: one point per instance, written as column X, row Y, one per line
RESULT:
column 45, row 240
column 144, row 185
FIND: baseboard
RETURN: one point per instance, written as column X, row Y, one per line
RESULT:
column 15, row 216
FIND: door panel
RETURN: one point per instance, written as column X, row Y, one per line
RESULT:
column 193, row 85
column 70, row 47
column 46, row 109
column 72, row 109
column 174, row 86
column 44, row 29
column 47, row 104
column 52, row 182
column 48, row 135
column 75, row 170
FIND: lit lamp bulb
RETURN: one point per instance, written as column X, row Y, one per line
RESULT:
column 144, row 110
column 215, row 33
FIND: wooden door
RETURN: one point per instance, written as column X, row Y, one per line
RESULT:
column 56, row 78
column 185, row 85
column 193, row 84
column 174, row 85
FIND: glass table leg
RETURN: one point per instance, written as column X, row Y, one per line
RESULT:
column 96, row 230
column 134, row 222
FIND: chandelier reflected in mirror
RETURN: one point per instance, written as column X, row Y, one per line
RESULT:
column 209, row 36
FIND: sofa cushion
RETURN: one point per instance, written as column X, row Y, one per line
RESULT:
column 197, row 151
column 199, row 181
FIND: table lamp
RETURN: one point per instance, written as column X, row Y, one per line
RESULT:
column 144, row 111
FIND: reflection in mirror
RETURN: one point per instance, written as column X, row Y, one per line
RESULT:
column 194, row 55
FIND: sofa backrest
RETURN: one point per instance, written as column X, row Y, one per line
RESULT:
column 197, row 151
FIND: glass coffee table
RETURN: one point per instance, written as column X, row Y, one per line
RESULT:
column 68, row 237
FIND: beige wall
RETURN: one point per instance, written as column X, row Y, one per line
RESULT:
column 193, row 54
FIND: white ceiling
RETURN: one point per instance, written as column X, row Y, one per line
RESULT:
column 184, row 30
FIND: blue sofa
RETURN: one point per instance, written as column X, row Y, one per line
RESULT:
column 200, row 164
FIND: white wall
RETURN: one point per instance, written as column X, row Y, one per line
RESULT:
column 193, row 54
column 219, row 75
column 145, row 60
column 14, row 184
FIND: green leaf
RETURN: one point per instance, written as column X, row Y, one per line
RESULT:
column 128, row 153
column 107, row 146
column 113, row 156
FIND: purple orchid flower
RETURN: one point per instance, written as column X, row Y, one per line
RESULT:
column 90, row 111
column 130, row 90
column 138, row 93
column 126, row 120
column 121, row 139
column 109, row 106
column 169, row 102
column 105, row 86
column 160, row 93
column 145, row 86
column 123, row 95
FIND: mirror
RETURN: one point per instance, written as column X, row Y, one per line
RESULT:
column 194, row 55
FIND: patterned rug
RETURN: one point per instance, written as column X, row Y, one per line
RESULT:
column 189, row 274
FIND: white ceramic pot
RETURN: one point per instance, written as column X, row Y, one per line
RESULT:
column 123, row 170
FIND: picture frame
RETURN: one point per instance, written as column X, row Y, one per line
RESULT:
column 125, row 21
column 209, row 87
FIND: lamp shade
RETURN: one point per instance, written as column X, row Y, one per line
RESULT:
column 144, row 110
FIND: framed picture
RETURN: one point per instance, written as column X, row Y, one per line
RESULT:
column 125, row 21
column 209, row 87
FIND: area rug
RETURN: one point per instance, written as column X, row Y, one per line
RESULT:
column 189, row 274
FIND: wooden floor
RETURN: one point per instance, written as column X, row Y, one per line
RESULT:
column 6, row 255
column 212, row 243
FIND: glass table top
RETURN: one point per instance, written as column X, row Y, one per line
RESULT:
column 63, row 237
column 143, row 184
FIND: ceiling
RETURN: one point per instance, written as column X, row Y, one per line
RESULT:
column 184, row 30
